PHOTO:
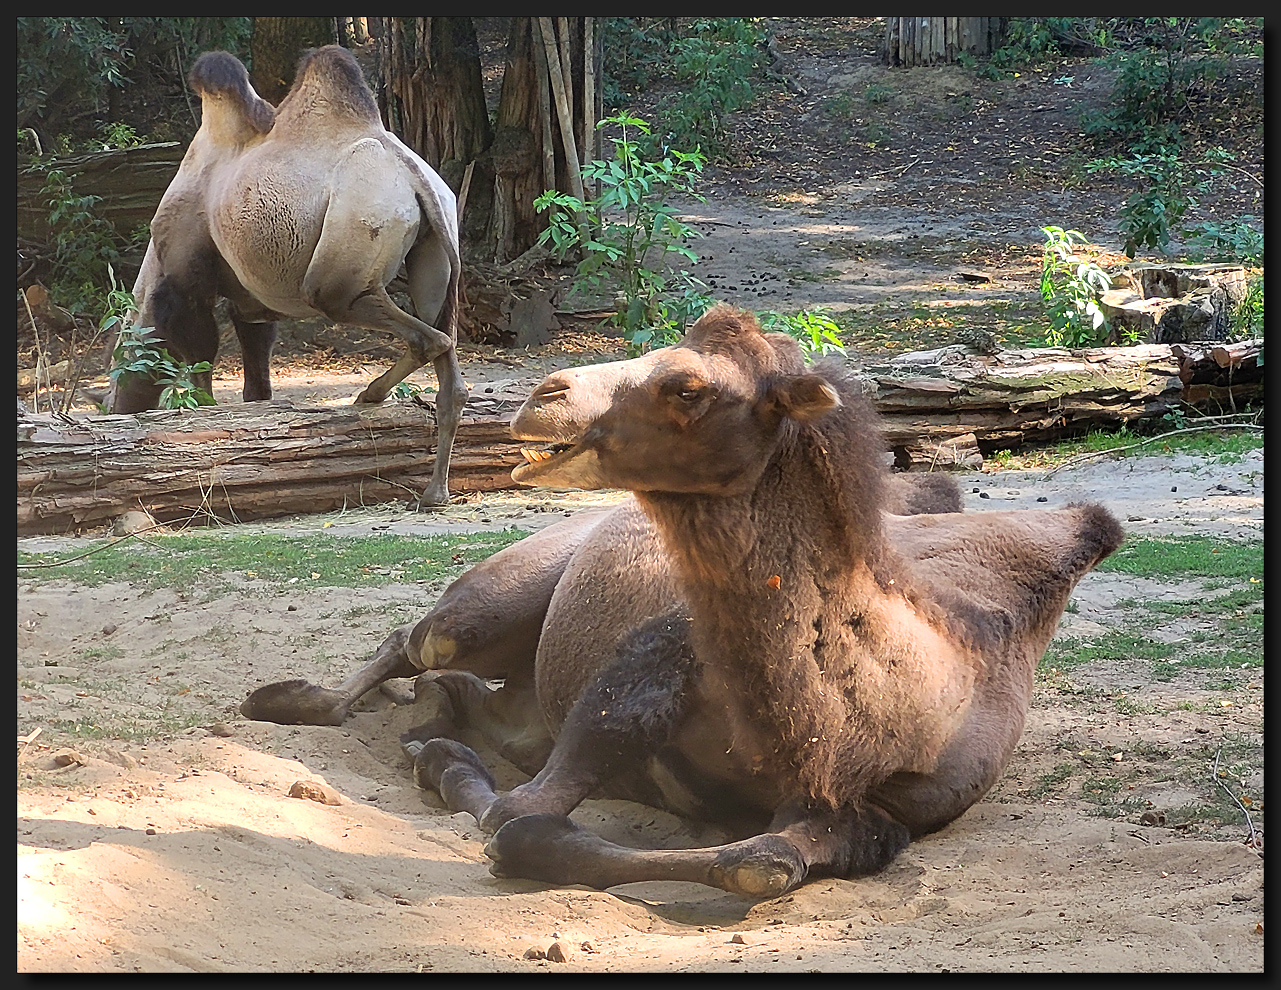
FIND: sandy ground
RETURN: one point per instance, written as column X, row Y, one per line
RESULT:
column 183, row 852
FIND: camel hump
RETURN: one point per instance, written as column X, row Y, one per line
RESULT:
column 1098, row 536
column 222, row 74
column 332, row 76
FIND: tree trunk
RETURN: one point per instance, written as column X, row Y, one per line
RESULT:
column 276, row 45
column 911, row 41
column 434, row 93
column 516, row 156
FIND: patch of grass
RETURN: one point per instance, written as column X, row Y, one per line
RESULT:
column 1221, row 446
column 108, row 652
column 1069, row 652
column 183, row 561
column 1052, row 781
column 1179, row 557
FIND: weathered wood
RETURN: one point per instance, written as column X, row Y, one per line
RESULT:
column 944, row 408
column 130, row 182
column 912, row 41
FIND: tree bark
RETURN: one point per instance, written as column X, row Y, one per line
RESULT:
column 276, row 45
column 434, row 92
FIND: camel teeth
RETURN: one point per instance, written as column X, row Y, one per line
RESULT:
column 528, row 454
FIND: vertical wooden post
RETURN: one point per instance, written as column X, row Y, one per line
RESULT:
column 574, row 173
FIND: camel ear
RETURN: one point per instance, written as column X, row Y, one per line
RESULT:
column 801, row 397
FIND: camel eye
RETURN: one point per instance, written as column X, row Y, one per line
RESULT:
column 690, row 394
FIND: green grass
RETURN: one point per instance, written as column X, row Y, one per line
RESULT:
column 1176, row 558
column 1225, row 446
column 184, row 561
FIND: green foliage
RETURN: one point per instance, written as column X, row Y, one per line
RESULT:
column 817, row 333
column 137, row 354
column 1070, row 287
column 637, row 229
column 1247, row 319
column 1237, row 241
column 1169, row 188
column 1177, row 557
column 71, row 70
column 709, row 62
column 1166, row 62
column 85, row 246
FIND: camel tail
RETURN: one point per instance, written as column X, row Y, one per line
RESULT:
column 223, row 73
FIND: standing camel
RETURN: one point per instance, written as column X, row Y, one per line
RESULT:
column 832, row 682
column 309, row 209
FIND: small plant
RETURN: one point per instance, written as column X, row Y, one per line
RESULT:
column 816, row 332
column 406, row 390
column 1247, row 318
column 118, row 135
column 636, row 229
column 136, row 353
column 85, row 246
column 1070, row 287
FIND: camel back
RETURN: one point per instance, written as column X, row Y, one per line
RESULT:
column 223, row 74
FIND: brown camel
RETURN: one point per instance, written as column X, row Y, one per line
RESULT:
column 835, row 681
column 309, row 209
column 487, row 625
column 828, row 679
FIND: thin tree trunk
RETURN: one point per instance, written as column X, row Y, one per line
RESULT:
column 573, row 170
column 545, row 116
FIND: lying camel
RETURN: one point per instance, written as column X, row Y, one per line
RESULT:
column 834, row 682
column 308, row 209
column 827, row 679
column 487, row 625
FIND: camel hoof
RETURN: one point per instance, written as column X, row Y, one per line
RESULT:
column 368, row 398
column 437, row 757
column 296, row 702
column 768, row 868
column 535, row 847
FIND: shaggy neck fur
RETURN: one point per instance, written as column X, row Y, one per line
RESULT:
column 329, row 83
column 781, row 583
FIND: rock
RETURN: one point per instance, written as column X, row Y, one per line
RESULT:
column 558, row 952
column 67, row 757
column 534, row 952
column 221, row 729
column 314, row 790
column 109, row 628
column 738, row 939
column 118, row 758
column 133, row 521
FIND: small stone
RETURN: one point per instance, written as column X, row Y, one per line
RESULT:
column 588, row 947
column 1174, row 488
column 558, row 952
column 1042, row 498
column 133, row 521
column 221, row 729
column 66, row 757
column 109, row 628
column 984, row 495
column 151, row 831
column 292, row 608
column 534, row 952
column 738, row 939
column 314, row 790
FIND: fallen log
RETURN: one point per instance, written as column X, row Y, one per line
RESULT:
column 946, row 408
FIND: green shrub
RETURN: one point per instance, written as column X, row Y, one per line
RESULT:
column 1070, row 287
column 636, row 230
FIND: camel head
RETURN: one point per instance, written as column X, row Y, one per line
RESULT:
column 703, row 416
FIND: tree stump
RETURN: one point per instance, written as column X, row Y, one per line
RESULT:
column 1172, row 304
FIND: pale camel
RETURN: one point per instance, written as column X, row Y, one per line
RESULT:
column 834, row 681
column 309, row 209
